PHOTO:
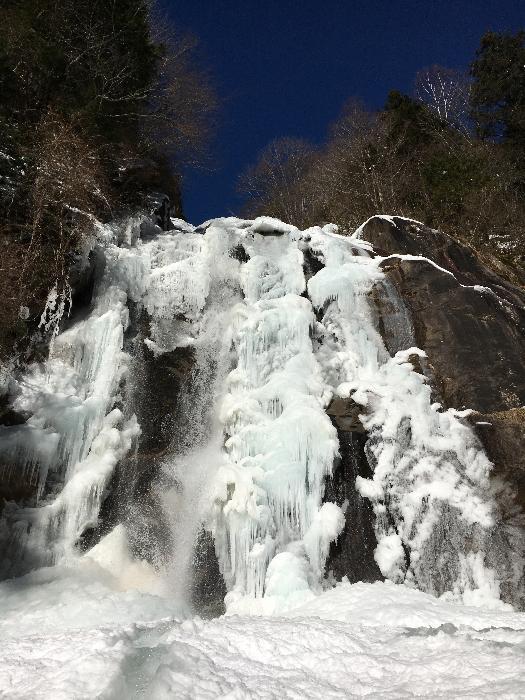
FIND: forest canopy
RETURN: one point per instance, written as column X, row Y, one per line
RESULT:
column 452, row 155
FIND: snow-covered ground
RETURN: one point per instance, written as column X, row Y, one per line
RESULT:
column 71, row 634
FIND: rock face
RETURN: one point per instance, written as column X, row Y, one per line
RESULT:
column 352, row 555
column 471, row 323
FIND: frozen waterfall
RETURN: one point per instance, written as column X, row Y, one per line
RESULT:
column 275, row 341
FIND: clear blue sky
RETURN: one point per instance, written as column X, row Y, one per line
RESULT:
column 285, row 67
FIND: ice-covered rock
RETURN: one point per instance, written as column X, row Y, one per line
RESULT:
column 272, row 355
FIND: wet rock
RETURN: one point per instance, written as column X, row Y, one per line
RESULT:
column 239, row 253
column 208, row 589
column 503, row 437
column 392, row 317
column 468, row 333
column 133, row 495
column 162, row 211
column 352, row 554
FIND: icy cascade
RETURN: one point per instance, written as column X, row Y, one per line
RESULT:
column 430, row 488
column 279, row 442
column 271, row 352
column 261, row 448
column 75, row 434
column 190, row 297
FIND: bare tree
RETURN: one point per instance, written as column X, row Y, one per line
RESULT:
column 65, row 193
column 447, row 93
column 182, row 108
column 276, row 183
column 361, row 171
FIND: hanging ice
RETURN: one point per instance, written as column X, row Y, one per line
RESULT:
column 278, row 350
column 74, row 435
column 430, row 486
column 279, row 442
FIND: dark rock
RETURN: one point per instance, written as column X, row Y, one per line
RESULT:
column 311, row 263
column 345, row 415
column 467, row 334
column 207, row 587
column 470, row 320
column 19, row 488
column 149, row 229
column 503, row 437
column 403, row 236
column 153, row 395
column 352, row 554
column 162, row 212
column 392, row 319
column 8, row 416
column 202, row 228
column 239, row 253
column 83, row 277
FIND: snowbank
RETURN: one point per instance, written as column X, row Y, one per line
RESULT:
column 68, row 634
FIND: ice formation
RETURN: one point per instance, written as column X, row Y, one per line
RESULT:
column 273, row 349
column 75, row 434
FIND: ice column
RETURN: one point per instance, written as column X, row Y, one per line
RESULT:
column 280, row 444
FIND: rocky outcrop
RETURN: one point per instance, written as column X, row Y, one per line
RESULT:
column 503, row 434
column 393, row 234
column 352, row 554
column 470, row 320
column 474, row 339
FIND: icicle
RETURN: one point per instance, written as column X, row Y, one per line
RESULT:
column 280, row 443
column 73, row 437
column 58, row 300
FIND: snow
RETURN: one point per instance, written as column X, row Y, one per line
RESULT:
column 389, row 553
column 267, row 224
column 421, row 258
column 73, row 633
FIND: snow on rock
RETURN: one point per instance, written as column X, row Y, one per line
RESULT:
column 390, row 556
column 430, row 472
column 268, row 225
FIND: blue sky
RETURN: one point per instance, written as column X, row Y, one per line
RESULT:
column 285, row 67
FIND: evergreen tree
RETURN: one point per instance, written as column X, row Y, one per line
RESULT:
column 498, row 91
